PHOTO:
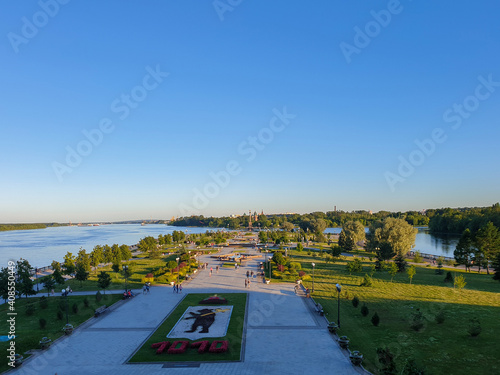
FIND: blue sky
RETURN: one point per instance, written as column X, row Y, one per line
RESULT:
column 335, row 93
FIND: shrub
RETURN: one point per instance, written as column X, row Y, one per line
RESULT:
column 30, row 309
column 417, row 258
column 60, row 315
column 75, row 308
column 375, row 320
column 355, row 301
column 417, row 321
column 306, row 278
column 43, row 302
column 115, row 267
column 440, row 317
column 42, row 323
column 448, row 278
column 367, row 281
column 364, row 310
column 474, row 328
column 86, row 302
column 296, row 265
column 386, row 359
column 281, row 267
column 98, row 296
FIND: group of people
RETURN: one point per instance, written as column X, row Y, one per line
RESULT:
column 177, row 288
column 128, row 294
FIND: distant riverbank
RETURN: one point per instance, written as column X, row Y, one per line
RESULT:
column 7, row 227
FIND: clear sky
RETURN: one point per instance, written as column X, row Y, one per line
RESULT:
column 220, row 107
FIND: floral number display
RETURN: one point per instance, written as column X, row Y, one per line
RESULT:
column 180, row 346
column 201, row 345
column 160, row 346
column 176, row 349
column 221, row 349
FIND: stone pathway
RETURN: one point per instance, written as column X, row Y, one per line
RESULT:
column 283, row 334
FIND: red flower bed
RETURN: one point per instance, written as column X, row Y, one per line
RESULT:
column 281, row 267
column 174, row 349
column 301, row 273
column 161, row 346
column 221, row 349
column 213, row 300
column 201, row 345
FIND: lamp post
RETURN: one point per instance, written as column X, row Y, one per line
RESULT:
column 270, row 269
column 65, row 294
column 312, row 291
column 125, row 271
column 339, row 288
column 177, row 259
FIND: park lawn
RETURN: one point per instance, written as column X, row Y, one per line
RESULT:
column 438, row 347
column 234, row 333
column 140, row 267
column 28, row 331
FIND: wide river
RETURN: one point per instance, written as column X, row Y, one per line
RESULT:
column 41, row 246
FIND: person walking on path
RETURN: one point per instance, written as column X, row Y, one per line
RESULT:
column 173, row 288
column 180, row 288
column 246, row 283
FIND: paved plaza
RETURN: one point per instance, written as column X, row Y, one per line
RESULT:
column 283, row 334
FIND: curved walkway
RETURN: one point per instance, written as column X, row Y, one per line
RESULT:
column 283, row 335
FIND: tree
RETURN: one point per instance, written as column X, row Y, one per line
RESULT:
column 354, row 230
column 83, row 260
column 347, row 243
column 148, row 244
column 386, row 359
column 55, row 265
column 4, row 283
column 278, row 258
column 126, row 253
column 299, row 247
column 103, row 280
column 465, row 250
column 81, row 274
column 384, row 252
column 411, row 272
column 287, row 226
column 171, row 265
column 117, row 254
column 459, row 282
column 24, row 284
column 488, row 243
column 58, row 277
column 400, row 262
column 48, row 283
column 96, row 256
column 496, row 267
column 393, row 270
column 69, row 264
column 336, row 251
column 107, row 254
column 396, row 232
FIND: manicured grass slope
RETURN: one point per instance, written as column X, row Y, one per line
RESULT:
column 441, row 348
column 234, row 333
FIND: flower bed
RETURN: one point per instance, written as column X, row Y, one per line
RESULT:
column 213, row 300
column 176, row 349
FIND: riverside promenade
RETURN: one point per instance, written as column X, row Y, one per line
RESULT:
column 283, row 334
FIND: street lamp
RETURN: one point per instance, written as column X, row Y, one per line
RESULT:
column 177, row 259
column 125, row 271
column 65, row 294
column 339, row 288
column 312, row 291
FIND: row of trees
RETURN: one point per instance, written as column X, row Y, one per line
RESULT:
column 449, row 220
column 479, row 248
column 314, row 222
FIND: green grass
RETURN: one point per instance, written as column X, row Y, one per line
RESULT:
column 234, row 333
column 439, row 347
column 140, row 267
column 28, row 331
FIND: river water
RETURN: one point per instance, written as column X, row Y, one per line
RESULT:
column 41, row 246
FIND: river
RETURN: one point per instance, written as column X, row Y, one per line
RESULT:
column 41, row 246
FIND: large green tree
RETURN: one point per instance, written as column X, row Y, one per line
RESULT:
column 103, row 280
column 24, row 284
column 355, row 230
column 68, row 264
column 465, row 250
column 396, row 232
column 488, row 243
column 96, row 256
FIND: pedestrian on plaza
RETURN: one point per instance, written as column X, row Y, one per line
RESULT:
column 246, row 283
column 180, row 288
column 173, row 288
column 217, row 269
column 248, row 274
column 147, row 288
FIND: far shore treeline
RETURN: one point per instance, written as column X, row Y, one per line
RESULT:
column 443, row 220
column 5, row 227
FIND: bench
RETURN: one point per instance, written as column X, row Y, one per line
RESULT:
column 100, row 310
column 319, row 309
